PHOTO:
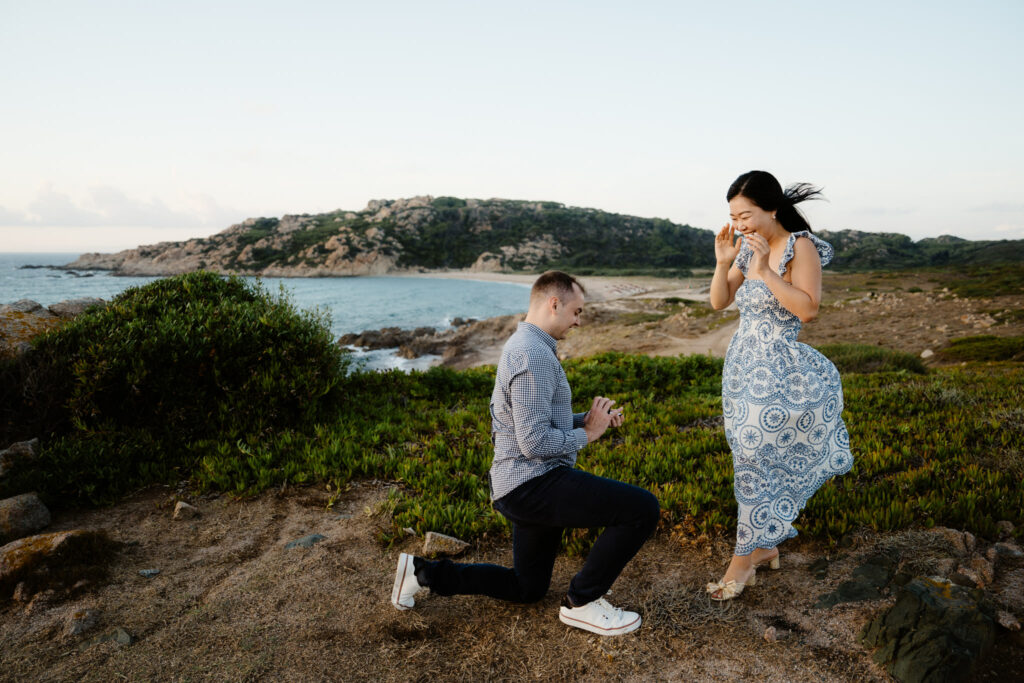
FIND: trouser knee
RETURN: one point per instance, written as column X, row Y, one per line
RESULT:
column 531, row 594
column 650, row 512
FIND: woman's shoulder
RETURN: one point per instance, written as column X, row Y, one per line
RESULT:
column 806, row 244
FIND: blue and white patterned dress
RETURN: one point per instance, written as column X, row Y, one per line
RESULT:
column 783, row 404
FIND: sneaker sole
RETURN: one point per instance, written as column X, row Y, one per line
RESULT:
column 403, row 569
column 587, row 626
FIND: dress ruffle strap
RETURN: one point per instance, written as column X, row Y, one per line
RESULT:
column 825, row 250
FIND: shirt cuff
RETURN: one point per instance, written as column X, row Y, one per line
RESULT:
column 581, row 437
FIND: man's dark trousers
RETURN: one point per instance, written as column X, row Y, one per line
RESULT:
column 540, row 509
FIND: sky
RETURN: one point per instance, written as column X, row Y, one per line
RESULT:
column 134, row 122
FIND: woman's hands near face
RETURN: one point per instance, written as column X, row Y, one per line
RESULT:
column 759, row 259
column 726, row 245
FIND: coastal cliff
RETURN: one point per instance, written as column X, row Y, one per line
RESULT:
column 423, row 233
column 498, row 235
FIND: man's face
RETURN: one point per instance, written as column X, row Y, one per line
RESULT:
column 567, row 312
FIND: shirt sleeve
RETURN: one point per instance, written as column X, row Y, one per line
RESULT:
column 578, row 418
column 531, row 392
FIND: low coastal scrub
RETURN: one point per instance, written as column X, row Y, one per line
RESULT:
column 984, row 347
column 135, row 392
column 863, row 358
column 208, row 379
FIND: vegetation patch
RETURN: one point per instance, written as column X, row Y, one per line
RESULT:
column 213, row 380
column 851, row 358
column 138, row 391
column 985, row 347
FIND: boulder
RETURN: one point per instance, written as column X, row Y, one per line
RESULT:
column 24, row 306
column 440, row 544
column 73, row 307
column 1010, row 591
column 22, row 516
column 954, row 538
column 1005, row 528
column 60, row 560
column 16, row 452
column 934, row 632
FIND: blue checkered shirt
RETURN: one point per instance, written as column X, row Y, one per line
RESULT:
column 532, row 423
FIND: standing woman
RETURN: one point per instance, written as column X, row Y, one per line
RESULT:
column 782, row 400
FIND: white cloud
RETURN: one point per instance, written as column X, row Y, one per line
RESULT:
column 106, row 206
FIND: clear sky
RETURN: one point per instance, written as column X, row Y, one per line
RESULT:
column 132, row 122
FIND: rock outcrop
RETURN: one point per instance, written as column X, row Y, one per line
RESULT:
column 411, row 235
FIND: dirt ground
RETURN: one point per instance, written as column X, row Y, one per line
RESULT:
column 231, row 603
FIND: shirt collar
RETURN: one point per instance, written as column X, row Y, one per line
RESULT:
column 540, row 334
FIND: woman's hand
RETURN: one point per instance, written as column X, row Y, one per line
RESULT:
column 759, row 259
column 727, row 245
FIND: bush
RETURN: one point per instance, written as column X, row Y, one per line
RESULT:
column 864, row 358
column 985, row 347
column 121, row 395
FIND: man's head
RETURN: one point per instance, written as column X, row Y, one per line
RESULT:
column 556, row 302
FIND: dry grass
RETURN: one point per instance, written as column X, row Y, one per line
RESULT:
column 230, row 603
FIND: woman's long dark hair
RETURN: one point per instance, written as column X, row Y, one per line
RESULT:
column 763, row 189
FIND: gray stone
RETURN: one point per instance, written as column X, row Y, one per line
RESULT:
column 149, row 573
column 1005, row 528
column 954, row 538
column 970, row 542
column 81, row 621
column 22, row 516
column 305, row 542
column 73, row 307
column 1007, row 620
column 983, row 569
column 117, row 635
column 16, row 452
column 927, row 353
column 183, row 510
column 934, row 632
column 1009, row 551
column 22, row 306
column 61, row 559
column 867, row 583
column 945, row 567
column 1010, row 593
column 440, row 544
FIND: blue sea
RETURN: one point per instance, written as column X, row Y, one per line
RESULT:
column 354, row 303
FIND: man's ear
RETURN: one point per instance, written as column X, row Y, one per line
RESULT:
column 553, row 303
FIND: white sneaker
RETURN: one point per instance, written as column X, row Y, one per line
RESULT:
column 406, row 584
column 600, row 617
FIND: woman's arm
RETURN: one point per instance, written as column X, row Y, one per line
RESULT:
column 727, row 279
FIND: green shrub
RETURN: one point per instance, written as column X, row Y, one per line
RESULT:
column 122, row 394
column 985, row 347
column 864, row 358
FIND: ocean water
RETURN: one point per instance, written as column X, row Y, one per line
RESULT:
column 354, row 303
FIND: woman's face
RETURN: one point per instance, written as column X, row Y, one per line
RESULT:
column 748, row 217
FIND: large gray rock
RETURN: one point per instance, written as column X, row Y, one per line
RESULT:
column 24, row 306
column 73, row 307
column 933, row 633
column 22, row 516
column 22, row 450
column 60, row 560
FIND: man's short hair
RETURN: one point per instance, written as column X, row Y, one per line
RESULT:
column 554, row 283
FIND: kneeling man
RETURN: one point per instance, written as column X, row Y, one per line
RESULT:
column 535, row 485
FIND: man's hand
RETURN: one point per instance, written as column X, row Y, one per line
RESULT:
column 600, row 417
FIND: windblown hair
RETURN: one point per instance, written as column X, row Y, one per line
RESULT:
column 763, row 189
column 554, row 283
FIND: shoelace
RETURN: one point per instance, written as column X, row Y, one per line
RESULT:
column 617, row 611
